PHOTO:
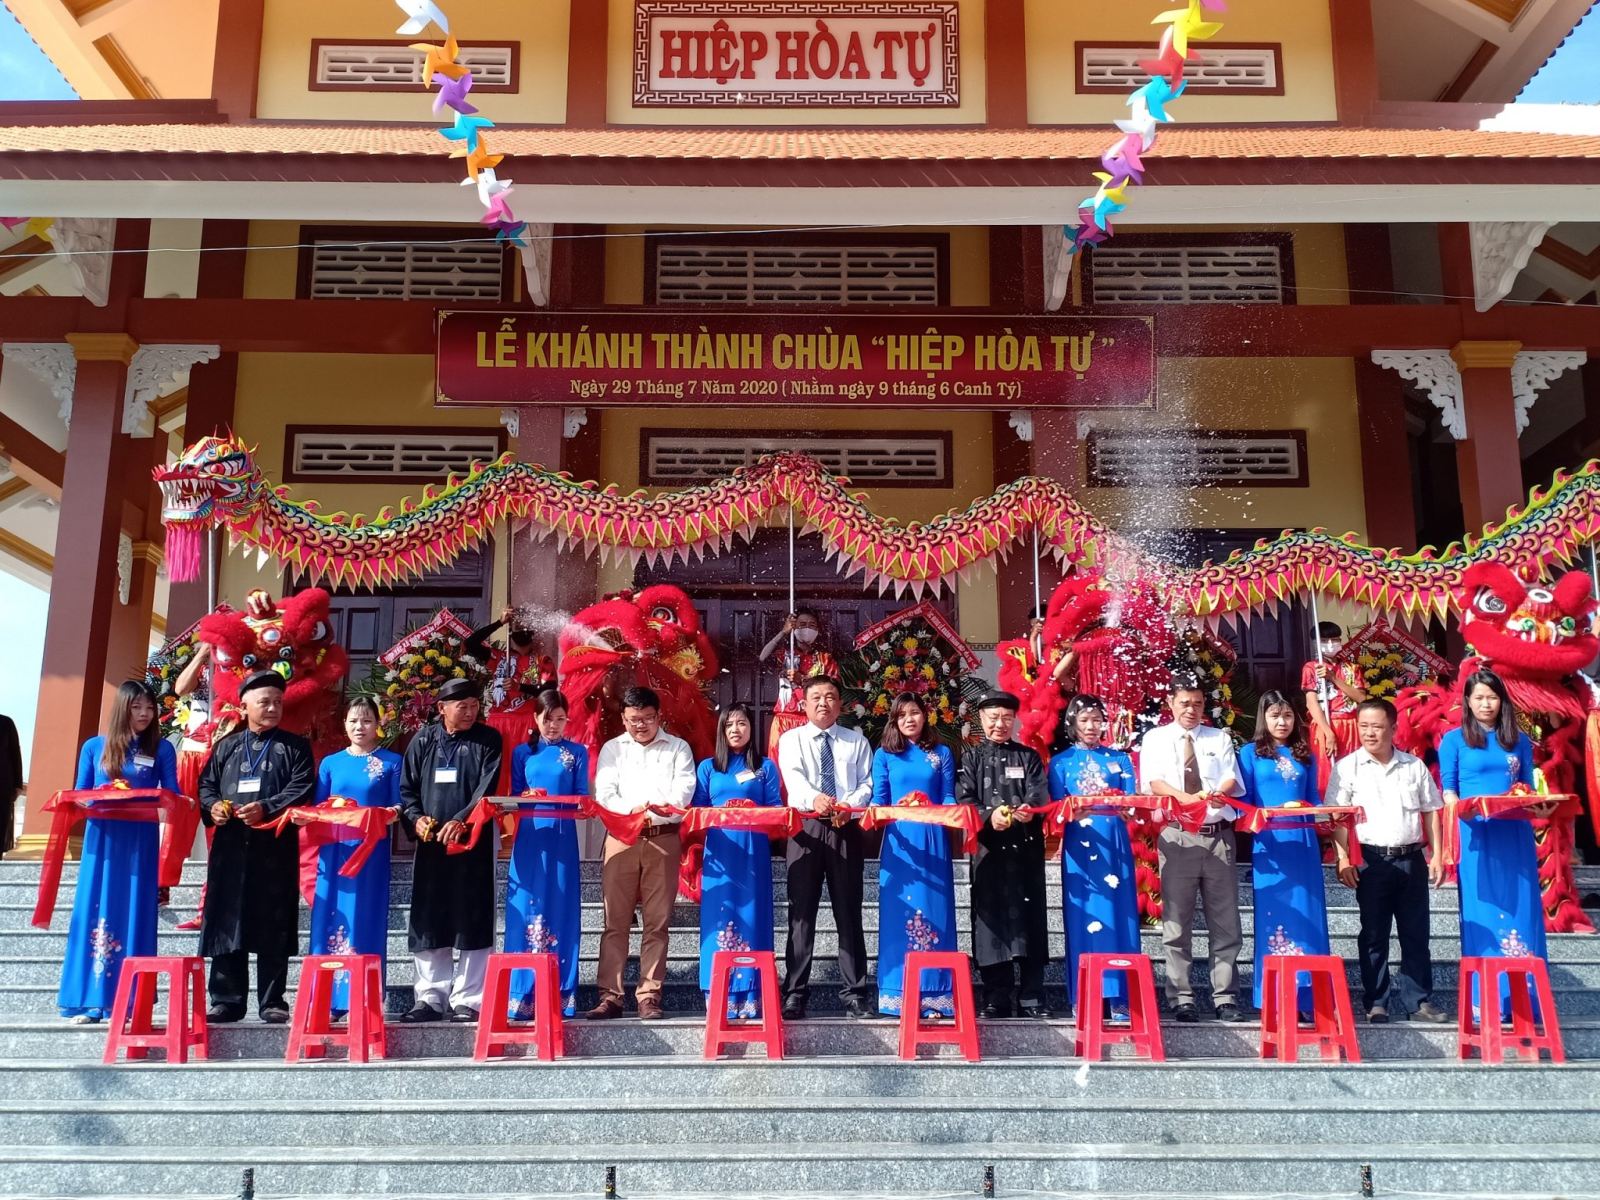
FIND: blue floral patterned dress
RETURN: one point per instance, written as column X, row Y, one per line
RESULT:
column 1502, row 914
column 916, row 883
column 351, row 916
column 736, row 877
column 1291, row 915
column 544, row 892
column 114, row 910
column 1099, row 898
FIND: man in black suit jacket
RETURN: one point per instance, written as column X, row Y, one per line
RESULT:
column 10, row 782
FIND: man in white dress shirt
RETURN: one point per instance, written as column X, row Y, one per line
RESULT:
column 643, row 767
column 825, row 766
column 1195, row 763
column 1402, row 804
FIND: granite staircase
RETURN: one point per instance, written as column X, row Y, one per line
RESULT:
column 839, row 1116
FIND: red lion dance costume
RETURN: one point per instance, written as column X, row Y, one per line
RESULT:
column 293, row 637
column 1536, row 638
column 1121, row 643
column 651, row 639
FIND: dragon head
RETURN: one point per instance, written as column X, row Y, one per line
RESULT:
column 653, row 638
column 1528, row 629
column 214, row 481
column 292, row 636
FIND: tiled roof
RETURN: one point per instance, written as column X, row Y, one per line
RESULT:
column 842, row 144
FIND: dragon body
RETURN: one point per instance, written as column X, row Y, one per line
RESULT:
column 216, row 484
column 1537, row 639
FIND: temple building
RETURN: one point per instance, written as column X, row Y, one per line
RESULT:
column 1356, row 290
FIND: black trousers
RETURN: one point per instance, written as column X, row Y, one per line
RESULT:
column 820, row 853
column 1001, row 984
column 1394, row 893
column 230, row 980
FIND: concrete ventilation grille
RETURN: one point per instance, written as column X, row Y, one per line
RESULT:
column 756, row 275
column 353, row 65
column 1198, row 274
column 468, row 270
column 341, row 455
column 1191, row 460
column 1249, row 69
column 696, row 457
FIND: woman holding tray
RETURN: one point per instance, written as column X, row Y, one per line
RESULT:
column 1498, row 872
column 351, row 915
column 736, row 874
column 1100, row 902
column 916, row 883
column 114, row 912
column 544, row 892
column 1291, row 915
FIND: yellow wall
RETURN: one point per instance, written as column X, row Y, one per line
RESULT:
column 276, row 390
column 539, row 25
column 1303, row 27
column 969, row 261
column 619, row 88
column 1314, row 394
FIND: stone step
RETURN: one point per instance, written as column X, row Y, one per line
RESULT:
column 18, row 917
column 685, row 942
column 628, row 1038
column 759, row 1124
column 691, row 1080
column 702, row 1167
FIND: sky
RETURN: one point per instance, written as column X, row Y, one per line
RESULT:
column 25, row 72
column 1569, row 77
column 21, row 653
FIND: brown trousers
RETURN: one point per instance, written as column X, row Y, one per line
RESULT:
column 645, row 876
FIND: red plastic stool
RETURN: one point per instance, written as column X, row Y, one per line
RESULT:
column 962, row 1031
column 311, row 1032
column 1144, row 1028
column 1333, row 1018
column 544, row 1032
column 768, row 1029
column 1525, row 1037
column 133, row 1010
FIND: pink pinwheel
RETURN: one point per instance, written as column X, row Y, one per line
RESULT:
column 498, row 207
column 453, row 93
column 1123, row 160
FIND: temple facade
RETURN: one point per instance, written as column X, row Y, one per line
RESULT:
column 1357, row 289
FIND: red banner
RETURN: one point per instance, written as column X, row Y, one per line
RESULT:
column 601, row 359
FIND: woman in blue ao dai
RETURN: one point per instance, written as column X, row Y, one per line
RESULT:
column 916, row 883
column 544, row 892
column 1291, row 914
column 114, row 911
column 351, row 916
column 1502, row 914
column 1100, row 901
column 736, row 874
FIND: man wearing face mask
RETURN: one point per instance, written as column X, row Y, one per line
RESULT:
column 1332, row 693
column 805, row 657
column 516, row 674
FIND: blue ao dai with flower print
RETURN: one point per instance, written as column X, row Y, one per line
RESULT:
column 1502, row 914
column 736, row 876
column 916, row 883
column 1099, row 898
column 114, row 910
column 544, row 889
column 1291, row 914
column 351, row 916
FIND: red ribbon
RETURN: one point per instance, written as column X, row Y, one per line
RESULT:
column 329, row 820
column 1334, row 816
column 1513, row 806
column 916, row 809
column 625, row 827
column 69, row 807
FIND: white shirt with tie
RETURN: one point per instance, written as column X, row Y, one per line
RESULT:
column 1161, row 758
column 1394, row 796
column 630, row 773
column 800, row 762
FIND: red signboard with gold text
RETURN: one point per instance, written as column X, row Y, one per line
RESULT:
column 503, row 359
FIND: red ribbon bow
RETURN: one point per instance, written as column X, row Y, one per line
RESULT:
column 329, row 821
column 70, row 806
